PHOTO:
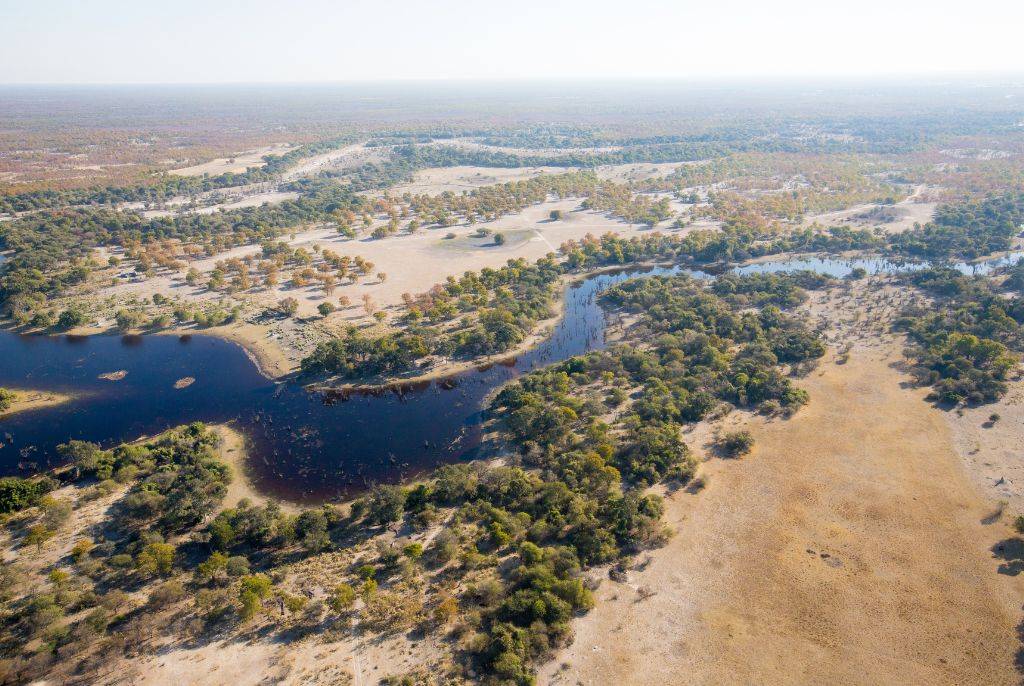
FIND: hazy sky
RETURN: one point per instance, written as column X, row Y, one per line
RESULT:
column 192, row 41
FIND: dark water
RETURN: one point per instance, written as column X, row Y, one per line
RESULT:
column 305, row 446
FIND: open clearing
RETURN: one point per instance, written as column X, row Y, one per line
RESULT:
column 237, row 164
column 849, row 547
column 413, row 263
column 342, row 158
column 437, row 180
column 894, row 218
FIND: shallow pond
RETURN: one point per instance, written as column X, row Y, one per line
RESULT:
column 304, row 446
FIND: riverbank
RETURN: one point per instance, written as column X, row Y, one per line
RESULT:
column 28, row 400
column 449, row 368
column 541, row 331
column 270, row 358
column 231, row 450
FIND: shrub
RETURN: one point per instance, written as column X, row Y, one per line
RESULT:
column 69, row 319
column 6, row 399
column 736, row 443
column 342, row 598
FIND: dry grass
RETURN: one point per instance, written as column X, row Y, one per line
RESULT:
column 849, row 547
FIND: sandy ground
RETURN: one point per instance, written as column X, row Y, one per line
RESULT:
column 850, row 547
column 413, row 263
column 232, row 451
column 436, row 180
column 28, row 400
column 238, row 163
column 342, row 158
column 992, row 449
column 272, row 359
column 908, row 212
column 639, row 172
column 354, row 661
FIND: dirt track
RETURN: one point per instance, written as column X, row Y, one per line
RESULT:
column 849, row 548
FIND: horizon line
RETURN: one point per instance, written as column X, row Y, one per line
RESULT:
column 641, row 79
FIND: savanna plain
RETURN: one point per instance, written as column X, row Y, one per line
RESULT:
column 736, row 375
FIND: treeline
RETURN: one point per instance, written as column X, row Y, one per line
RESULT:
column 49, row 248
column 423, row 156
column 730, row 244
column 966, row 347
column 966, row 230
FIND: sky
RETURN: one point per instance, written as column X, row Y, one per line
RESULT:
column 219, row 41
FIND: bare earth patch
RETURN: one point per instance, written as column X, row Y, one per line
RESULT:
column 237, row 164
column 895, row 218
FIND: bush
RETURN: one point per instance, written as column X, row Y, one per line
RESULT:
column 736, row 443
column 342, row 598
column 166, row 594
column 288, row 306
column 384, row 504
column 69, row 319
column 6, row 399
column 17, row 493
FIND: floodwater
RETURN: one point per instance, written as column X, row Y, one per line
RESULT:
column 303, row 446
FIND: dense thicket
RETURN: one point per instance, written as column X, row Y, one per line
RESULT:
column 966, row 347
column 966, row 230
column 690, row 351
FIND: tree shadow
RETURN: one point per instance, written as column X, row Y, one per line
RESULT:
column 1011, row 551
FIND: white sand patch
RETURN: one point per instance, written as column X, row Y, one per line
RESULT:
column 437, row 180
column 413, row 263
column 343, row 158
column 237, row 164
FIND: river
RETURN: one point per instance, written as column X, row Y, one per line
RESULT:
column 304, row 446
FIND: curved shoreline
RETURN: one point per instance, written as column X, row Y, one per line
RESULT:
column 232, row 451
column 268, row 358
column 540, row 332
